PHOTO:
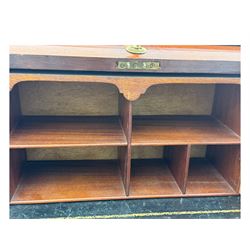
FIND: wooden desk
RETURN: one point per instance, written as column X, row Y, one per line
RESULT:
column 102, row 97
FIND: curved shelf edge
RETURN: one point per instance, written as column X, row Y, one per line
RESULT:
column 131, row 87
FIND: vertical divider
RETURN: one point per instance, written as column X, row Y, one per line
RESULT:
column 226, row 159
column 226, row 106
column 178, row 161
column 17, row 156
column 15, row 109
column 125, row 112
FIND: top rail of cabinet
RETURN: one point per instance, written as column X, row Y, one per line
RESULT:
column 115, row 59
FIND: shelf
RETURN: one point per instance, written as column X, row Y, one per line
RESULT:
column 48, row 131
column 152, row 178
column 65, row 181
column 204, row 179
column 181, row 130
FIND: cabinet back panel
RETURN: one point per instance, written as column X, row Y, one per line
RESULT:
column 68, row 99
column 175, row 100
column 86, row 153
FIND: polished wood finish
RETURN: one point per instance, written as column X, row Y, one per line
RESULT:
column 152, row 178
column 196, row 59
column 60, row 181
column 68, row 181
column 174, row 174
column 226, row 106
column 130, row 86
column 179, row 130
column 226, row 159
column 204, row 179
column 15, row 109
column 46, row 131
column 178, row 162
column 17, row 158
column 125, row 111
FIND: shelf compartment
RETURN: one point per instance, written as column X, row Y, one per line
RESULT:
column 179, row 130
column 152, row 178
column 66, row 181
column 205, row 179
column 51, row 131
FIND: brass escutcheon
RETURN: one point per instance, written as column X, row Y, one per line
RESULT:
column 136, row 49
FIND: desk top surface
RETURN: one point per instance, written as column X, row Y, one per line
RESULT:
column 170, row 59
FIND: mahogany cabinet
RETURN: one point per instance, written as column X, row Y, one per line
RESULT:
column 98, row 122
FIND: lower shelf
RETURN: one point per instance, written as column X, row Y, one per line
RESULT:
column 67, row 181
column 204, row 179
column 152, row 178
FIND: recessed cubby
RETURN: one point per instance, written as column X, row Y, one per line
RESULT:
column 216, row 173
column 66, row 115
column 186, row 114
column 158, row 176
column 55, row 178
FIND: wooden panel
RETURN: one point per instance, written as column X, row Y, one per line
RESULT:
column 227, row 106
column 149, row 152
column 45, row 131
column 17, row 157
column 99, row 58
column 152, row 178
column 125, row 110
column 156, row 152
column 74, row 153
column 204, row 179
column 173, row 99
column 15, row 110
column 80, row 99
column 131, row 86
column 179, row 130
column 226, row 159
column 185, row 52
column 65, row 181
column 178, row 162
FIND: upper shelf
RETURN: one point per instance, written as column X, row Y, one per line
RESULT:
column 45, row 131
column 180, row 130
column 171, row 59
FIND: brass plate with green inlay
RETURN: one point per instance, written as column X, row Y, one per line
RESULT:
column 138, row 65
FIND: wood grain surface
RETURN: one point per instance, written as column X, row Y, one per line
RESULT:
column 73, row 99
column 46, row 131
column 179, row 130
column 150, row 178
column 104, row 58
column 177, row 158
column 226, row 107
column 125, row 111
column 62, row 108
column 204, row 178
column 226, row 159
column 68, row 181
column 61, row 181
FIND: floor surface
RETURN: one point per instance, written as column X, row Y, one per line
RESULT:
column 171, row 208
column 195, row 208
